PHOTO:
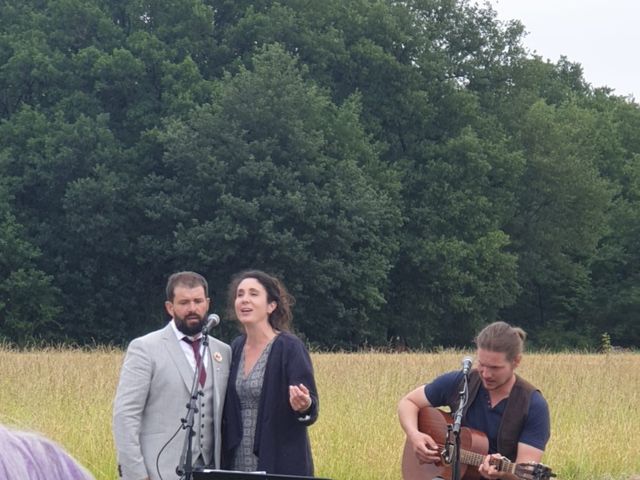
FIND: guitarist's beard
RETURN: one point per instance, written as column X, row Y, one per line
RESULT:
column 499, row 386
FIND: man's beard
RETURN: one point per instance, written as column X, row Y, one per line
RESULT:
column 188, row 329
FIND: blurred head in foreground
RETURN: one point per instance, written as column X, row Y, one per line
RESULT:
column 28, row 456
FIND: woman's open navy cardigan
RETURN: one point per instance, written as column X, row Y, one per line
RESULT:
column 281, row 442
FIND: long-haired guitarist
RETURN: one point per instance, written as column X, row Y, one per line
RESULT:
column 511, row 412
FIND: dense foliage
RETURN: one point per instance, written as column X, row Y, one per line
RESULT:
column 407, row 168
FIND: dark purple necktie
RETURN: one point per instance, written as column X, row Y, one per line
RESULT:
column 195, row 346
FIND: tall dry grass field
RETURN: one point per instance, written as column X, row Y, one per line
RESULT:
column 67, row 395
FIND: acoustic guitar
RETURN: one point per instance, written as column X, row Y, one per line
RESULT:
column 474, row 447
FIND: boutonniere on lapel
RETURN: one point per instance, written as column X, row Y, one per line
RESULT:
column 217, row 356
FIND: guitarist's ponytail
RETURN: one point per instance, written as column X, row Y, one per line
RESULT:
column 502, row 337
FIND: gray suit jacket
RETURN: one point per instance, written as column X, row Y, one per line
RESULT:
column 151, row 399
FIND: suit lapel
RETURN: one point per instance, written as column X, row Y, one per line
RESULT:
column 215, row 366
column 220, row 364
column 177, row 356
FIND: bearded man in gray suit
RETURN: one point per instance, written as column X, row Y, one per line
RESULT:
column 155, row 387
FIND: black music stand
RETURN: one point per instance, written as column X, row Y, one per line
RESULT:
column 206, row 474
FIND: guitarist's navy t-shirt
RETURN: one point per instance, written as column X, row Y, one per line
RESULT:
column 482, row 417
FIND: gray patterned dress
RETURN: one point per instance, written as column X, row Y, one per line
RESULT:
column 249, row 389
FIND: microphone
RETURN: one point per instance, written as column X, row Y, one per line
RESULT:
column 213, row 320
column 466, row 365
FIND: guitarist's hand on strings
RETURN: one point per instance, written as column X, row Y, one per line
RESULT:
column 425, row 448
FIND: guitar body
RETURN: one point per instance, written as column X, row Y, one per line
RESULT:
column 434, row 423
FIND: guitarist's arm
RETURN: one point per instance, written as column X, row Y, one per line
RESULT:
column 527, row 453
column 424, row 447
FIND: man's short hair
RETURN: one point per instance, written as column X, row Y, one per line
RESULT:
column 186, row 279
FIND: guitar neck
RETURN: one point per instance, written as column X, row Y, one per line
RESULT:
column 475, row 460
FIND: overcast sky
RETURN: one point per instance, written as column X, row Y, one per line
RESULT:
column 602, row 35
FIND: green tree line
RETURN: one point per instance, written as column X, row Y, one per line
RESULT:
column 407, row 168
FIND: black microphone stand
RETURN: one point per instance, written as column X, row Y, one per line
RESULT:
column 454, row 458
column 185, row 467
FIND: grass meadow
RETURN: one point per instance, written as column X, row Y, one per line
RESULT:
column 67, row 395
